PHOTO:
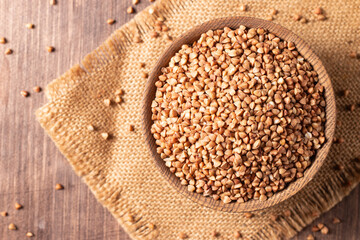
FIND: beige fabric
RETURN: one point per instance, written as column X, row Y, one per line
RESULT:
column 120, row 171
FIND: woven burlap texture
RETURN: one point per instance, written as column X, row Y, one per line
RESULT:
column 120, row 171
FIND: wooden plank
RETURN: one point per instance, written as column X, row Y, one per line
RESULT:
column 30, row 164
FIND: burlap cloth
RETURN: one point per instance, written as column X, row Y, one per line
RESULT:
column 120, row 171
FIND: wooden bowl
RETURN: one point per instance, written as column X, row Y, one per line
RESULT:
column 305, row 50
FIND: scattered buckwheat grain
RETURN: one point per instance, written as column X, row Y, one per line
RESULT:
column 318, row 11
column 107, row 102
column 354, row 55
column 8, row 51
column 315, row 228
column 168, row 38
column 110, row 21
column 50, row 49
column 183, row 235
column 12, row 226
column 273, row 11
column 161, row 19
column 336, row 220
column 144, row 75
column 29, row 234
column 3, row 40
column 310, row 237
column 215, row 234
column 158, row 28
column 129, row 218
column 269, row 18
column 118, row 99
column 105, row 135
column 320, row 225
column 131, row 128
column 90, row 128
column 243, row 8
column 135, row 2
column 53, row 2
column 297, row 17
column 141, row 64
column 154, row 34
column 30, row 26
column 324, row 230
column 130, row 10
column 237, row 235
column 321, row 17
column 151, row 11
column 151, row 226
column 59, row 186
column 137, row 39
column 248, row 215
column 346, row 92
column 119, row 92
column 24, row 93
column 18, row 206
column 164, row 28
column 274, row 217
column 37, row 89
column 303, row 20
column 238, row 115
column 4, row 214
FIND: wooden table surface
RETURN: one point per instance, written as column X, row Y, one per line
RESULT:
column 30, row 164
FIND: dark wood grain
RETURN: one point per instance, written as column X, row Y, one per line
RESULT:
column 30, row 164
column 304, row 49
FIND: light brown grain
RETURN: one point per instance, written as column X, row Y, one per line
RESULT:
column 182, row 235
column 297, row 17
column 50, row 49
column 336, row 220
column 237, row 234
column 324, row 230
column 8, row 51
column 105, row 135
column 243, row 8
column 130, row 10
column 110, row 21
column 154, row 34
column 37, row 89
column 310, row 237
column 107, row 102
column 12, row 226
column 3, row 40
column 30, row 26
column 24, row 93
column 90, row 128
column 318, row 11
column 18, row 206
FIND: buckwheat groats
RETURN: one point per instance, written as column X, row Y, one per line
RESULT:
column 238, row 115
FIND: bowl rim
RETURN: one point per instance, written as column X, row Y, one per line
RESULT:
column 303, row 48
